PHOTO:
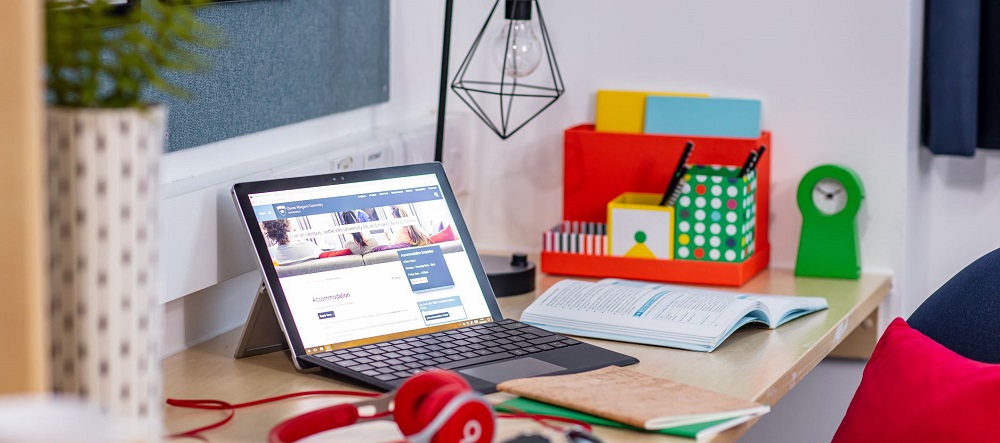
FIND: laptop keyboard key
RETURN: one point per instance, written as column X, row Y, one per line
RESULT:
column 371, row 373
column 518, row 352
column 532, row 349
column 386, row 377
column 543, row 340
column 545, row 347
column 407, row 359
column 360, row 368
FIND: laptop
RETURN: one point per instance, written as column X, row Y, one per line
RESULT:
column 373, row 276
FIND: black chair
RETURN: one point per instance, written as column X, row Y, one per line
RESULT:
column 964, row 314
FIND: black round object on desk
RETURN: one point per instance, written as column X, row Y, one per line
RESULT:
column 509, row 275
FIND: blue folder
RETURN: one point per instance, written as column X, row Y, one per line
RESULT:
column 714, row 117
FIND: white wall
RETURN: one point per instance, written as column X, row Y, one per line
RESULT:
column 954, row 219
column 837, row 84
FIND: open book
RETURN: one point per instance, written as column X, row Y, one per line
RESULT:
column 662, row 315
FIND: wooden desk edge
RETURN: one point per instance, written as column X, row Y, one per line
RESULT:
column 825, row 346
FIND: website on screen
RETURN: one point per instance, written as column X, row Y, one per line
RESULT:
column 366, row 262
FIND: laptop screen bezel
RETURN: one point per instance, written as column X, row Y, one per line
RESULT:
column 242, row 191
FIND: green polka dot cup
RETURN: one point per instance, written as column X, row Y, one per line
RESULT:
column 715, row 215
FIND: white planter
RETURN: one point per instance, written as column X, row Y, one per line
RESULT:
column 103, row 167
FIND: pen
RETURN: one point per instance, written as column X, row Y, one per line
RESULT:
column 760, row 153
column 677, row 173
column 746, row 164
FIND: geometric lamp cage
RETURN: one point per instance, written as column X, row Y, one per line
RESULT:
column 510, row 74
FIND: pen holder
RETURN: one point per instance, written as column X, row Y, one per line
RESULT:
column 716, row 215
column 638, row 227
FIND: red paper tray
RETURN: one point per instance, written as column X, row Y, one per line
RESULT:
column 598, row 166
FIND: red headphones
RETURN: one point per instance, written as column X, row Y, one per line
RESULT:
column 430, row 407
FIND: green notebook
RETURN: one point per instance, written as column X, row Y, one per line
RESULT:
column 696, row 431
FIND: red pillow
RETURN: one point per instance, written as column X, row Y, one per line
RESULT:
column 915, row 390
column 446, row 234
column 335, row 253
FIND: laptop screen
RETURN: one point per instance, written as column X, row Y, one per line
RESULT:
column 370, row 261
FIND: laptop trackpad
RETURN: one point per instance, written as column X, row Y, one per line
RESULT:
column 511, row 369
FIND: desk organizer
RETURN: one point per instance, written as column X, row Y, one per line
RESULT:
column 639, row 227
column 600, row 166
column 715, row 215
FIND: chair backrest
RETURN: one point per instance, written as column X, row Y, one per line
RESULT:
column 964, row 314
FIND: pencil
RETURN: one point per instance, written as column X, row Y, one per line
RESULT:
column 676, row 177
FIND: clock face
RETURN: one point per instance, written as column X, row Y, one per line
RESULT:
column 829, row 196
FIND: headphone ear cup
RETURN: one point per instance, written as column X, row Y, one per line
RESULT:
column 409, row 401
column 472, row 422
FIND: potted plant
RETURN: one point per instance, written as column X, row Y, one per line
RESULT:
column 104, row 142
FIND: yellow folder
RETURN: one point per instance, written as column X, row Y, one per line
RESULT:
column 625, row 111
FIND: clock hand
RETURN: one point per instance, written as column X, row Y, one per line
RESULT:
column 825, row 193
column 837, row 191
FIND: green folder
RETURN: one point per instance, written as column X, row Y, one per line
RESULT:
column 520, row 404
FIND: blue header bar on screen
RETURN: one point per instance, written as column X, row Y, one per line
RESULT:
column 277, row 211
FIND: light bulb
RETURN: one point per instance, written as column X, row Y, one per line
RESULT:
column 517, row 51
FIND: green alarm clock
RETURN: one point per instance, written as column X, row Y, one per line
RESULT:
column 829, row 198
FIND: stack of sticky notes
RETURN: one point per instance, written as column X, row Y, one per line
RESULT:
column 639, row 112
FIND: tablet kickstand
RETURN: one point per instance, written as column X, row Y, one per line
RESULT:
column 262, row 334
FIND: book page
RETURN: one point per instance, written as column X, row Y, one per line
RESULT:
column 776, row 307
column 656, row 309
column 779, row 307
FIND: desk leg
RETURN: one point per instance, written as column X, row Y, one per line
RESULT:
column 860, row 343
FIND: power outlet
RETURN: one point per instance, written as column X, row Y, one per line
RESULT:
column 379, row 157
column 346, row 162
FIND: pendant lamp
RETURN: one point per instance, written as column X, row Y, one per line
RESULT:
column 510, row 74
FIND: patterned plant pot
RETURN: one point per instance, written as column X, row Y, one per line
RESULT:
column 103, row 174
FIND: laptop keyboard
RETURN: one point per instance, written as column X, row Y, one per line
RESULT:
column 451, row 349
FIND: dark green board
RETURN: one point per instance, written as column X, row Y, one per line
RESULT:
column 286, row 61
